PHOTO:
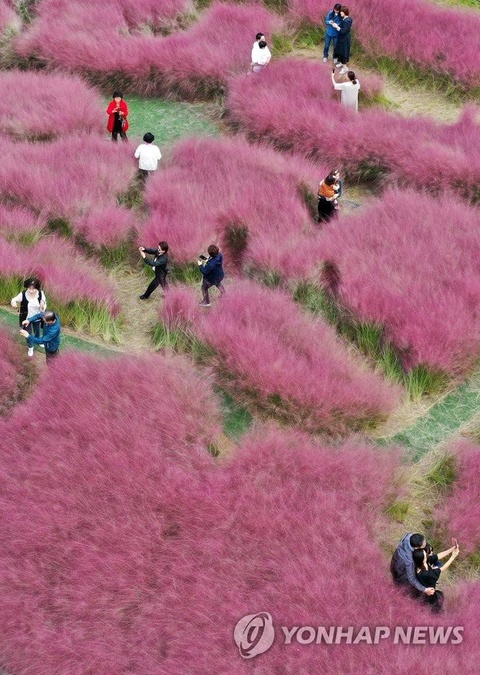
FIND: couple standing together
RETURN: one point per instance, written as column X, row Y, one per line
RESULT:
column 415, row 566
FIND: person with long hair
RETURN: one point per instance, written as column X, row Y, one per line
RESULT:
column 428, row 569
column 32, row 301
column 117, row 112
column 349, row 90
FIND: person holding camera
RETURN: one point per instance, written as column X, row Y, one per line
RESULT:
column 213, row 274
column 51, row 333
column 159, row 264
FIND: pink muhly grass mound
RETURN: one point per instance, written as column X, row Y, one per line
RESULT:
column 377, row 28
column 412, row 263
column 8, row 17
column 289, row 113
column 124, row 546
column 11, row 371
column 459, row 513
column 17, row 221
column 68, row 179
column 106, row 227
column 214, row 188
column 288, row 364
column 96, row 39
column 66, row 275
column 41, row 106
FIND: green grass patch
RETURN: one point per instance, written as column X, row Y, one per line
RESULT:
column 85, row 315
column 168, row 121
column 188, row 274
column 309, row 36
column 237, row 420
column 443, row 473
column 398, row 511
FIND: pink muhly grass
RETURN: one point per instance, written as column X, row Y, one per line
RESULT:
column 66, row 276
column 401, row 39
column 290, row 364
column 8, row 17
column 68, row 178
column 11, row 371
column 96, row 39
column 43, row 106
column 411, row 263
column 123, row 547
column 107, row 227
column 17, row 221
column 215, row 186
column 458, row 515
column 289, row 113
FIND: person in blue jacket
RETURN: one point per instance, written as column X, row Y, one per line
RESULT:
column 51, row 333
column 331, row 34
column 212, row 270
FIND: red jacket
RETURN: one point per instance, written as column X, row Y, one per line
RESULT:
column 111, row 115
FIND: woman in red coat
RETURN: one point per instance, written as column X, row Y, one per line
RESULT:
column 117, row 112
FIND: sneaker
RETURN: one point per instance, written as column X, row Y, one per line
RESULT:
column 325, row 59
column 42, row 346
column 204, row 304
column 143, row 297
column 30, row 351
column 335, row 60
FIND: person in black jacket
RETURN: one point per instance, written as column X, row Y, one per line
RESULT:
column 344, row 28
column 159, row 264
column 212, row 270
column 428, row 569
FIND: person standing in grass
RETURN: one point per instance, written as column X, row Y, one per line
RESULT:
column 331, row 33
column 148, row 156
column 343, row 28
column 327, row 198
column 213, row 274
column 259, row 37
column 32, row 301
column 117, row 112
column 51, row 333
column 402, row 566
column 262, row 57
column 159, row 264
column 349, row 90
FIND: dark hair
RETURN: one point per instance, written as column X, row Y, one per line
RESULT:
column 163, row 245
column 149, row 137
column 116, row 94
column 258, row 36
column 32, row 281
column 213, row 250
column 418, row 557
column 417, row 540
column 345, row 10
column 351, row 77
column 330, row 180
column 262, row 44
column 337, row 6
column 50, row 316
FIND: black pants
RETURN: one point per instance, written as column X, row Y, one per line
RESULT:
column 326, row 210
column 206, row 285
column 160, row 279
column 122, row 134
column 51, row 355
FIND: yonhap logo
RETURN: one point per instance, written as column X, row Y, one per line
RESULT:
column 254, row 634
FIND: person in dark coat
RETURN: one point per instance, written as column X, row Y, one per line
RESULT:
column 402, row 566
column 51, row 333
column 159, row 264
column 428, row 570
column 212, row 270
column 344, row 28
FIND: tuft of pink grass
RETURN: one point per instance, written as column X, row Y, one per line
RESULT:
column 16, row 221
column 377, row 28
column 290, row 364
column 35, row 105
column 411, row 263
column 458, row 514
column 63, row 271
column 106, row 227
column 8, row 17
column 98, row 39
column 213, row 186
column 11, row 371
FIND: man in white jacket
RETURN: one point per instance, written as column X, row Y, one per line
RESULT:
column 148, row 156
